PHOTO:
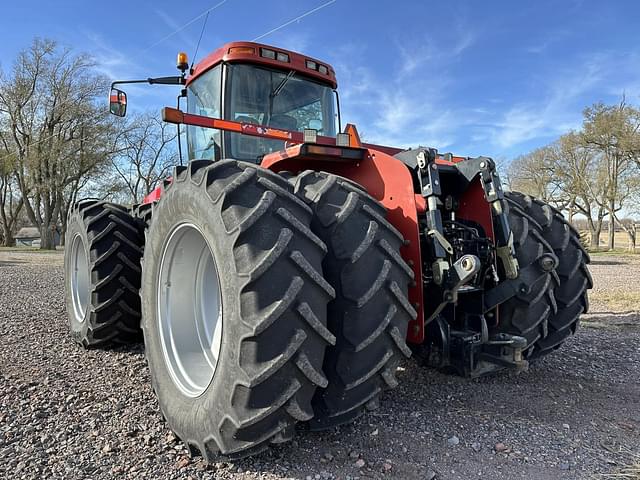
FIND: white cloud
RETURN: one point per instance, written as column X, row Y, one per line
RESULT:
column 408, row 109
column 418, row 107
column 110, row 61
column 561, row 96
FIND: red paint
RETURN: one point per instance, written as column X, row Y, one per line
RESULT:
column 296, row 62
column 311, row 152
column 176, row 116
column 275, row 157
column 381, row 148
column 388, row 180
column 474, row 206
column 154, row 195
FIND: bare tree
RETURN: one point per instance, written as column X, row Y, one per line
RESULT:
column 147, row 153
column 591, row 172
column 577, row 172
column 55, row 131
column 534, row 174
column 612, row 132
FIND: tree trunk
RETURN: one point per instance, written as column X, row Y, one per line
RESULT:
column 612, row 234
column 7, row 237
column 632, row 232
column 632, row 240
column 595, row 236
column 47, row 237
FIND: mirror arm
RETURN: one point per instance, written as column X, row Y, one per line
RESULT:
column 175, row 80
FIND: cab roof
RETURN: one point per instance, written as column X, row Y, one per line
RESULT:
column 257, row 53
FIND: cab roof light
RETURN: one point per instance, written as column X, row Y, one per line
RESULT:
column 266, row 53
column 240, row 50
column 323, row 69
column 310, row 135
column 311, row 64
column 342, row 140
column 282, row 57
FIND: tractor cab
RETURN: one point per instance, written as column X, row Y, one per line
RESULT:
column 258, row 85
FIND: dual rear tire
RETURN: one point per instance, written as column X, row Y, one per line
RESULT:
column 241, row 270
column 283, row 257
column 370, row 313
column 550, row 310
column 102, row 266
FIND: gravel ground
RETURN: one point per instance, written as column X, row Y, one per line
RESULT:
column 69, row 413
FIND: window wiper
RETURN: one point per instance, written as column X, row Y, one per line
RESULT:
column 283, row 82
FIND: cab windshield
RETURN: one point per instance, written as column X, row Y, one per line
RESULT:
column 279, row 99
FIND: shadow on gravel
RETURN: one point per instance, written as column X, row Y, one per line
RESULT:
column 10, row 263
column 133, row 348
column 607, row 262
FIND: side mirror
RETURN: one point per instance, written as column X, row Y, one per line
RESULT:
column 118, row 102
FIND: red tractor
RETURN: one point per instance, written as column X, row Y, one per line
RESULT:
column 284, row 272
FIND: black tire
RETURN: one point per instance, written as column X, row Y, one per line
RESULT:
column 274, row 299
column 371, row 311
column 142, row 212
column 573, row 276
column 527, row 313
column 112, row 241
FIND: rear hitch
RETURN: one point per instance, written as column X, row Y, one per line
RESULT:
column 473, row 354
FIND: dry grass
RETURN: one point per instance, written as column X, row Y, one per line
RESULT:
column 618, row 252
column 617, row 301
column 621, row 242
column 631, row 472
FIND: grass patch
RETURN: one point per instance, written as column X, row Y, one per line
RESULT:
column 631, row 472
column 29, row 250
column 617, row 301
column 618, row 252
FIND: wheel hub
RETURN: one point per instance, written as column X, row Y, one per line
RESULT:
column 80, row 289
column 189, row 309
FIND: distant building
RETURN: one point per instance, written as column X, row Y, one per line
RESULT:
column 30, row 237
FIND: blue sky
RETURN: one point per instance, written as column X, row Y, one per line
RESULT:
column 496, row 78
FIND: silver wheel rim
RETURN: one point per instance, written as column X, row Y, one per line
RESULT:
column 80, row 285
column 189, row 311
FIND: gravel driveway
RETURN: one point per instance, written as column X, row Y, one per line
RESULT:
column 69, row 413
